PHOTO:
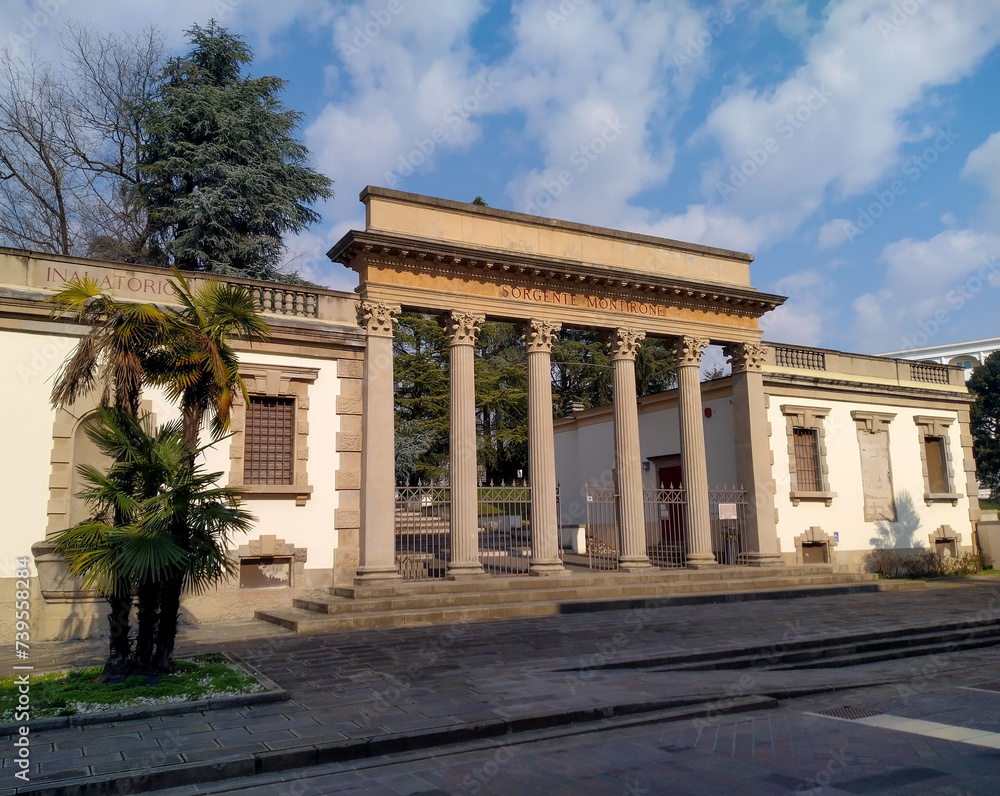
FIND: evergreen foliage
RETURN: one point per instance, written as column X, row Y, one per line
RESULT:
column 581, row 372
column 223, row 178
column 985, row 422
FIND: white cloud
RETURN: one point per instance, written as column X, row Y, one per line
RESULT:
column 837, row 125
column 834, row 232
column 593, row 94
column 939, row 289
column 983, row 166
column 802, row 318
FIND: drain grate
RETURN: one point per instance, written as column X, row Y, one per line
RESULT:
column 848, row 712
column 994, row 686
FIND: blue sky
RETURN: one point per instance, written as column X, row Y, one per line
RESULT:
column 853, row 147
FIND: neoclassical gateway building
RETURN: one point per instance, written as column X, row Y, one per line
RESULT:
column 787, row 470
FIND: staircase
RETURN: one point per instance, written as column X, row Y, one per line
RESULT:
column 408, row 604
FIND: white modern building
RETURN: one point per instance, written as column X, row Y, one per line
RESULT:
column 965, row 355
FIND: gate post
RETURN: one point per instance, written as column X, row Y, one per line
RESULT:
column 687, row 359
column 461, row 329
column 753, row 452
column 377, row 549
column 538, row 339
column 622, row 346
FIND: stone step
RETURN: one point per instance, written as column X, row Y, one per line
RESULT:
column 366, row 616
column 565, row 591
column 654, row 575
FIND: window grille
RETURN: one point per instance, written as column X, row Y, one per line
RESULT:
column 807, row 468
column 270, row 441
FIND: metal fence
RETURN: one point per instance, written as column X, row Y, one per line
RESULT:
column 666, row 543
column 603, row 545
column 505, row 528
column 727, row 509
column 423, row 530
column 666, row 538
column 423, row 539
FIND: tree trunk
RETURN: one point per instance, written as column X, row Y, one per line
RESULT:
column 149, row 611
column 166, row 627
column 117, row 665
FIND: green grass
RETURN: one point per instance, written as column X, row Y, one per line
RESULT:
column 989, row 505
column 69, row 693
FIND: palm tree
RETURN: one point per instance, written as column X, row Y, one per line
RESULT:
column 177, row 525
column 198, row 368
column 109, row 551
column 196, row 363
column 110, row 357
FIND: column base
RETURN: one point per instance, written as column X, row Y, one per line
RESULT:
column 469, row 570
column 761, row 559
column 547, row 567
column 701, row 561
column 375, row 574
column 636, row 564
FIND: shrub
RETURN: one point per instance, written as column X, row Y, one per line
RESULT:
column 922, row 564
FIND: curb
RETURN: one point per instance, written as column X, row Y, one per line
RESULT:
column 274, row 693
column 262, row 763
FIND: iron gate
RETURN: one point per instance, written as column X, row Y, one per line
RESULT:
column 666, row 537
column 505, row 528
column 423, row 539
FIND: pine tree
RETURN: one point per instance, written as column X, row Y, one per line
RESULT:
column 223, row 178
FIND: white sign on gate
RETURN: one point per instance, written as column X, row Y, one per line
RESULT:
column 727, row 511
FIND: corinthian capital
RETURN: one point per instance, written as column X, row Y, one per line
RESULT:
column 539, row 335
column 377, row 318
column 687, row 350
column 746, row 357
column 461, row 328
column 623, row 343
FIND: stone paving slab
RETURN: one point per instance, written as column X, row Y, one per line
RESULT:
column 436, row 681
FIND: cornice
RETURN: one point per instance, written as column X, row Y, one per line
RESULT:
column 545, row 273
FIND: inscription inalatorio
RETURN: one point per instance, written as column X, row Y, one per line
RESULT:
column 105, row 281
column 539, row 296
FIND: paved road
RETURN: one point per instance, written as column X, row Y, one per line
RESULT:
column 766, row 753
column 379, row 683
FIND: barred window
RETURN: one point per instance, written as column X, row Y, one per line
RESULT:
column 808, row 475
column 270, row 441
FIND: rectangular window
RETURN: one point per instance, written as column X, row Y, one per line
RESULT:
column 807, row 467
column 937, row 465
column 270, row 441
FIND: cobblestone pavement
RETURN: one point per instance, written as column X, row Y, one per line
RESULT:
column 785, row 751
column 370, row 684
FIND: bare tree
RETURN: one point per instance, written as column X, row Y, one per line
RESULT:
column 70, row 141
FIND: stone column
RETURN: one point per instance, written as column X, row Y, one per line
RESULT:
column 622, row 346
column 697, row 522
column 538, row 339
column 377, row 548
column 753, row 453
column 461, row 329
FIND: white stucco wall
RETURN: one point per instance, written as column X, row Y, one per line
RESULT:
column 27, row 361
column 31, row 361
column 585, row 450
column 845, row 516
